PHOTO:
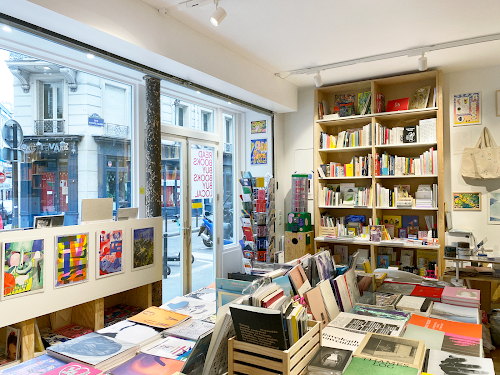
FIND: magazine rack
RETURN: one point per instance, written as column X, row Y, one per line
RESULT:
column 251, row 359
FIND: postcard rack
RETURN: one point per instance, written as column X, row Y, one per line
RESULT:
column 251, row 359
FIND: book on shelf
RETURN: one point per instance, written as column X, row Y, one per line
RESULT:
column 331, row 361
column 348, row 138
column 424, row 132
column 344, row 105
column 360, row 166
column 443, row 363
column 398, row 104
column 364, row 103
column 410, row 134
column 419, row 98
column 380, row 103
column 393, row 165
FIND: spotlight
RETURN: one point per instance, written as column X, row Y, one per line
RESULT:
column 422, row 63
column 7, row 28
column 318, row 80
column 219, row 14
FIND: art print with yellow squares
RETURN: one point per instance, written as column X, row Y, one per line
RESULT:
column 71, row 259
column 259, row 151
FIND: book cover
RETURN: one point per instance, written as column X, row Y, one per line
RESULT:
column 12, row 343
column 396, row 220
column 91, row 349
column 299, row 280
column 231, row 284
column 364, row 324
column 248, row 233
column 315, row 302
column 377, row 367
column 443, row 363
column 396, row 288
column 324, row 265
column 383, row 261
column 171, row 347
column 195, row 362
column 145, row 364
column 333, row 337
column 130, row 332
column 420, row 98
column 398, row 350
column 343, row 251
column 342, row 293
column 412, row 303
column 428, row 292
column 409, row 221
column 259, row 326
column 192, row 307
column 331, row 306
column 390, row 229
column 410, row 134
column 380, row 312
column 330, row 360
column 285, row 284
column 191, row 329
column 470, row 330
column 363, row 102
column 158, row 317
column 35, row 366
column 376, row 233
column 72, row 331
column 74, row 368
column 456, row 313
column 398, row 104
column 461, row 294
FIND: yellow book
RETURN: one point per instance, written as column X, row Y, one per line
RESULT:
column 259, row 182
column 332, row 143
column 349, row 170
column 295, row 314
column 367, row 266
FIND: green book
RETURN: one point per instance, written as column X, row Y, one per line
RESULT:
column 373, row 367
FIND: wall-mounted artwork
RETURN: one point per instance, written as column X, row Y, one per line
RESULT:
column 259, row 151
column 258, row 127
column 23, row 267
column 110, row 259
column 143, row 248
column 494, row 208
column 467, row 109
column 71, row 259
column 467, row 201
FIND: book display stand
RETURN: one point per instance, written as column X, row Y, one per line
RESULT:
column 83, row 302
column 372, row 161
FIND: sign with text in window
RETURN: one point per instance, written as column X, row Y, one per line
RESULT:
column 202, row 174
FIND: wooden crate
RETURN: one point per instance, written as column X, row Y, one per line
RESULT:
column 245, row 358
column 326, row 231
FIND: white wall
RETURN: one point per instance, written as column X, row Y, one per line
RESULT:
column 258, row 170
column 486, row 81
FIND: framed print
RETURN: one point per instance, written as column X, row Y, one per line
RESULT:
column 497, row 101
column 143, row 250
column 258, row 151
column 71, row 259
column 23, row 267
column 258, row 127
column 110, row 253
column 467, row 201
column 467, row 109
column 494, row 207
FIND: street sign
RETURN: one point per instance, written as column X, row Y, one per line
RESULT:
column 12, row 134
column 2, row 177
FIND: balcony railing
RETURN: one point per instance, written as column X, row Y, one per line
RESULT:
column 49, row 127
column 115, row 130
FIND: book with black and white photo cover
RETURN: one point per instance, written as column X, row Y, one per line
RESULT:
column 456, row 313
column 191, row 329
column 412, row 304
column 259, row 326
column 396, row 288
column 364, row 324
column 444, row 363
column 134, row 333
column 391, row 349
column 324, row 265
column 339, row 338
column 329, row 361
column 94, row 350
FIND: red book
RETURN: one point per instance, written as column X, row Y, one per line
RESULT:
column 261, row 205
column 273, row 297
column 398, row 104
column 248, row 232
column 428, row 292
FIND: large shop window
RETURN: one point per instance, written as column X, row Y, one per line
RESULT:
column 77, row 140
column 179, row 112
column 228, row 179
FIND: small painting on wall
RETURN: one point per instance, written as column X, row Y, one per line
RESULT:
column 258, row 127
column 71, row 259
column 467, row 201
column 259, row 151
column 467, row 109
column 143, row 248
column 110, row 260
column 494, row 208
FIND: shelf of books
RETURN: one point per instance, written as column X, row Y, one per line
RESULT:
column 378, row 151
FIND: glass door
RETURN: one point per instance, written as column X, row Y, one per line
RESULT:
column 202, row 162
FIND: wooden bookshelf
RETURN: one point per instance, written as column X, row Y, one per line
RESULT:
column 392, row 88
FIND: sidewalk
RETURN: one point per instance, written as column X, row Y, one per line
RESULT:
column 173, row 230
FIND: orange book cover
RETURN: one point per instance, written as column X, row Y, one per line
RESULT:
column 456, row 328
column 157, row 317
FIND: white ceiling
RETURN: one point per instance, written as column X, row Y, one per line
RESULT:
column 284, row 35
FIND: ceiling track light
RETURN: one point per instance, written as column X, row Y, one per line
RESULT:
column 422, row 63
column 318, row 80
column 219, row 14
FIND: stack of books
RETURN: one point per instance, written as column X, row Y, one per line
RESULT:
column 461, row 297
column 415, row 304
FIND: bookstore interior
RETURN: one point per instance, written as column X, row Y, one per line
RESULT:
column 350, row 232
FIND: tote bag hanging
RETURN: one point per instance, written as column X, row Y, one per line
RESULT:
column 482, row 161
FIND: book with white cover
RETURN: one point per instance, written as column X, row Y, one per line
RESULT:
column 339, row 338
column 427, row 130
column 195, row 308
column 456, row 313
column 444, row 363
column 412, row 303
column 171, row 347
column 132, row 332
column 364, row 324
column 191, row 329
column 329, row 298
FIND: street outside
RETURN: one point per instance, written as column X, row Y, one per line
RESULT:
column 202, row 267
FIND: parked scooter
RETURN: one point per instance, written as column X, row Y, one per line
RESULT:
column 206, row 229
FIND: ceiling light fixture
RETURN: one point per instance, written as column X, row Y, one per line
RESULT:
column 198, row 92
column 90, row 56
column 318, row 80
column 422, row 62
column 219, row 14
column 7, row 28
column 46, row 68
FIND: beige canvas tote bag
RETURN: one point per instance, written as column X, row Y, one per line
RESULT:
column 482, row 161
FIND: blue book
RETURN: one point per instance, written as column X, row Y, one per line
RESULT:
column 284, row 283
column 230, row 284
column 36, row 366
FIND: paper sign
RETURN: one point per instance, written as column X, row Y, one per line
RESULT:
column 202, row 174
